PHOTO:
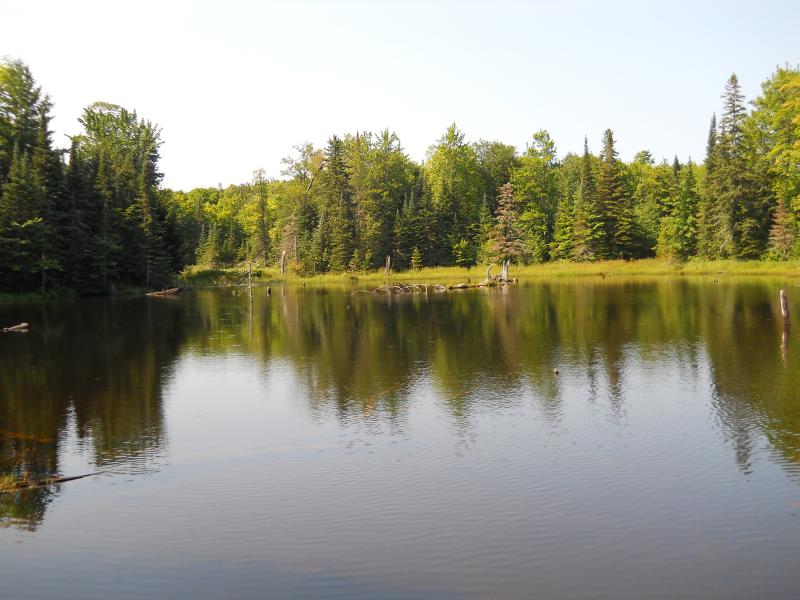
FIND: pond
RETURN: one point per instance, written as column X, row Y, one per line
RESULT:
column 572, row 439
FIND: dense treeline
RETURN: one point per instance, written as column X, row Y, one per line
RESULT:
column 98, row 217
column 90, row 222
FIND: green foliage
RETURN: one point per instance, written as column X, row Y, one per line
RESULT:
column 614, row 204
column 535, row 183
column 588, row 235
column 416, row 259
column 509, row 231
column 101, row 219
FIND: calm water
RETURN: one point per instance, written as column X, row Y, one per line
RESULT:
column 353, row 446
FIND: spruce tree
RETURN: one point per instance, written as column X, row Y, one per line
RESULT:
column 678, row 230
column 507, row 234
column 262, row 226
column 615, row 204
column 338, row 198
column 589, row 224
column 49, row 181
column 735, row 207
column 561, row 247
column 709, row 242
column 21, row 227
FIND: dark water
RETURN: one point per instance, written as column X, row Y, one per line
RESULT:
column 354, row 446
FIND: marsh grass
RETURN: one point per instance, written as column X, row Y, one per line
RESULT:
column 13, row 483
column 645, row 267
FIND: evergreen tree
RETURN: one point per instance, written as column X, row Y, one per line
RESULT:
column 485, row 226
column 49, row 181
column 589, row 225
column 407, row 225
column 615, row 204
column 337, row 196
column 262, row 239
column 416, row 259
column 734, row 210
column 714, row 233
column 20, row 226
column 507, row 234
column 678, row 231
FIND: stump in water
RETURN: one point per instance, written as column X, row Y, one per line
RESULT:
column 388, row 269
column 501, row 279
column 504, row 270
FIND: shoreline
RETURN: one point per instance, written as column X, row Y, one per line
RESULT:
column 209, row 277
column 202, row 277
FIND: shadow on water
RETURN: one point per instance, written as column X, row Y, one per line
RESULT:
column 94, row 370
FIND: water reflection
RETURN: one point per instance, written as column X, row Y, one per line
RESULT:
column 92, row 370
column 95, row 370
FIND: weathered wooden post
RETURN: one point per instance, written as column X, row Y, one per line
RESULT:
column 388, row 265
column 784, row 307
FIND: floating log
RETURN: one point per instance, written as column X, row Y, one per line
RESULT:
column 21, row 328
column 416, row 288
column 167, row 292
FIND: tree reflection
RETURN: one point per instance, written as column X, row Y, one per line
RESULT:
column 95, row 368
column 105, row 362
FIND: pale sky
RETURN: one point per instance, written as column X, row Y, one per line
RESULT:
column 235, row 84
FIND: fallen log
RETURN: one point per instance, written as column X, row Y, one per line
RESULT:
column 22, row 328
column 167, row 292
column 416, row 288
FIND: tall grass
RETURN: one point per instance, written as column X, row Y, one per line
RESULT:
column 197, row 275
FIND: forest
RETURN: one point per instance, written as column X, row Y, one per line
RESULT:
column 94, row 217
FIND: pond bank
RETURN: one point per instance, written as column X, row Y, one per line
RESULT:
column 649, row 267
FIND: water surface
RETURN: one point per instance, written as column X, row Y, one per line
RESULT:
column 329, row 445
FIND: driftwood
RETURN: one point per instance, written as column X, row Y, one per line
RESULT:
column 167, row 292
column 21, row 328
column 404, row 288
column 424, row 288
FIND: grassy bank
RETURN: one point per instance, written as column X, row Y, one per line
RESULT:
column 647, row 267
